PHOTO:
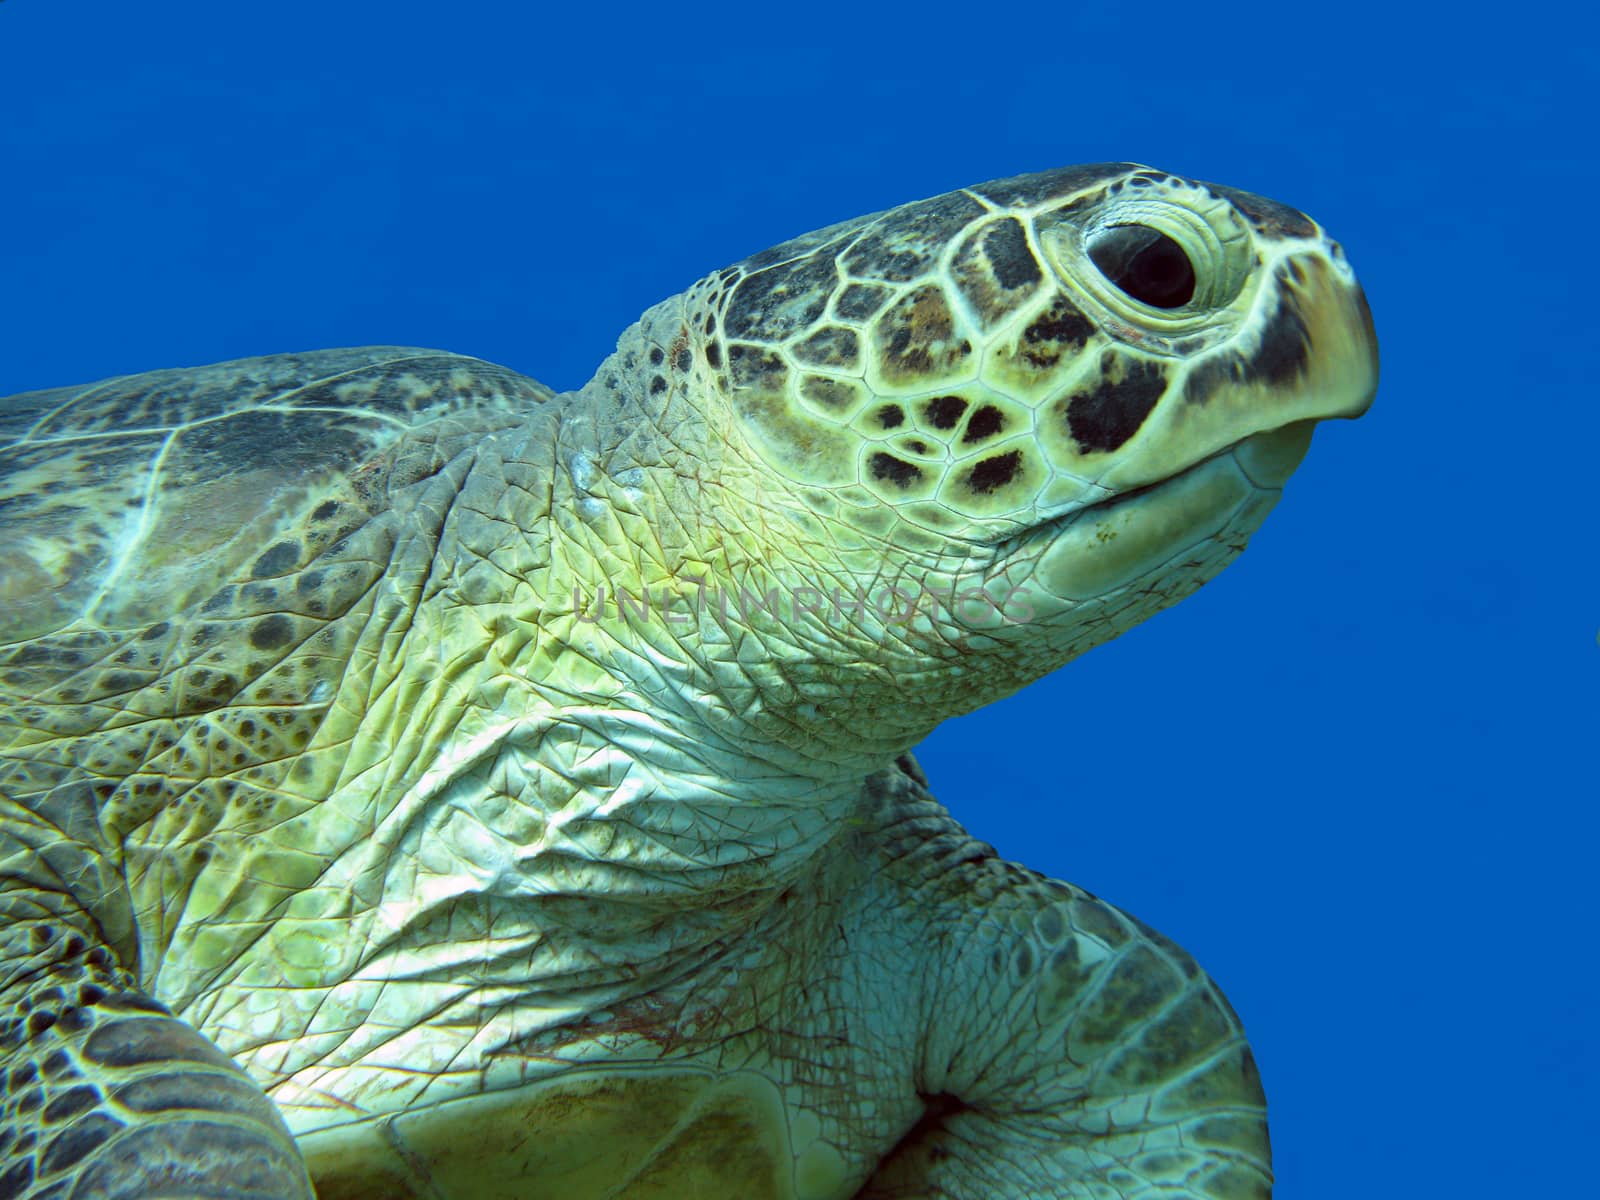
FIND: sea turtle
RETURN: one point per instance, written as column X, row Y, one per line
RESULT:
column 453, row 789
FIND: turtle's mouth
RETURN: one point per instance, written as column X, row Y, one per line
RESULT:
column 1100, row 547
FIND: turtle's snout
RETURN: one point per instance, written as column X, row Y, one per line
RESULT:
column 1371, row 340
column 1343, row 368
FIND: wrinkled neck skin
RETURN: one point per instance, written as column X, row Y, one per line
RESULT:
column 709, row 594
column 693, row 583
column 668, row 637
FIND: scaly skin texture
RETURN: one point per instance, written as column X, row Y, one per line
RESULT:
column 501, row 780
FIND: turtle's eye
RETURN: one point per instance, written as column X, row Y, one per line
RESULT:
column 1145, row 263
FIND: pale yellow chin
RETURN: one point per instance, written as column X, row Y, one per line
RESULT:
column 1224, row 497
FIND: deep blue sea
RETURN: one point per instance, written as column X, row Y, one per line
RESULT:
column 1355, row 776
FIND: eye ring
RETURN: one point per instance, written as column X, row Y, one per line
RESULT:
column 1143, row 263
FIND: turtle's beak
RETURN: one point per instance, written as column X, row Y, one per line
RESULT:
column 1343, row 377
column 1341, row 383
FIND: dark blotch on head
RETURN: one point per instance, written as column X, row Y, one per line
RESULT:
column 986, row 422
column 324, row 510
column 906, row 242
column 657, row 356
column 1059, row 328
column 995, row 270
column 1282, row 357
column 1285, row 346
column 713, row 355
column 829, row 393
column 891, row 416
column 272, row 632
column 1005, row 245
column 778, row 300
column 155, row 631
column 1110, row 414
column 1271, row 218
column 829, row 346
column 278, row 560
column 917, row 336
column 860, row 301
column 756, row 367
column 657, row 385
column 943, row 412
column 1048, row 185
column 894, row 470
column 994, row 473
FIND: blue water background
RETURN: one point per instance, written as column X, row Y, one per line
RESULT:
column 1356, row 775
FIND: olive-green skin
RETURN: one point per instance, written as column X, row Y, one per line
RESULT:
column 421, row 783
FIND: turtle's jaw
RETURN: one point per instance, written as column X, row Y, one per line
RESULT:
column 1167, row 538
column 1186, row 487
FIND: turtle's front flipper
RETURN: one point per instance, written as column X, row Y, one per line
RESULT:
column 1070, row 1051
column 105, row 1094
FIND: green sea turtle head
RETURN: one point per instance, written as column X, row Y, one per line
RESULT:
column 936, row 452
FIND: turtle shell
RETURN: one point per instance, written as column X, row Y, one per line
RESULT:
column 125, row 501
column 191, row 560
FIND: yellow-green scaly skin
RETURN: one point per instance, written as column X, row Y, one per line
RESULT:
column 515, row 787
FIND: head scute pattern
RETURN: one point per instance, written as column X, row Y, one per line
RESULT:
column 969, row 361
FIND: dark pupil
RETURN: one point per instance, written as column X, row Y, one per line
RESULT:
column 1145, row 263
